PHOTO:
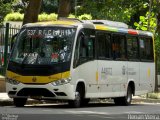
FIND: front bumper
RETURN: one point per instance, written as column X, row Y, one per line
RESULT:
column 45, row 91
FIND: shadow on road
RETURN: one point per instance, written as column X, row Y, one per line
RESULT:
column 65, row 105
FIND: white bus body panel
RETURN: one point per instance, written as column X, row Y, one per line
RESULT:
column 112, row 78
column 147, row 77
column 86, row 73
column 133, row 74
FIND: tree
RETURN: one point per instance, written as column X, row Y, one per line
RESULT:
column 32, row 11
column 49, row 6
column 127, row 11
column 5, row 7
column 158, row 16
column 64, row 8
column 19, row 5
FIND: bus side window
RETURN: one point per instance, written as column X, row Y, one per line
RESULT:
column 146, row 48
column 132, row 48
column 104, row 45
column 84, row 50
column 119, row 47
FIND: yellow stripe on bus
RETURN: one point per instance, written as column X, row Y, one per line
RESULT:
column 56, row 23
column 96, row 75
column 37, row 79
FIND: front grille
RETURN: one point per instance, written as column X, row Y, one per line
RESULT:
column 35, row 92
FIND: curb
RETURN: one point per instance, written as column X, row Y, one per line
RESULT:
column 146, row 100
column 9, row 102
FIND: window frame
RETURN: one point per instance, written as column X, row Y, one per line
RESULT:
column 79, row 62
column 151, row 41
column 97, row 45
column 125, row 46
column 138, row 48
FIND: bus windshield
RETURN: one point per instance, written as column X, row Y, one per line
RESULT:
column 43, row 45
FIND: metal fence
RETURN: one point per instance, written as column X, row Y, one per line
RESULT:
column 6, row 33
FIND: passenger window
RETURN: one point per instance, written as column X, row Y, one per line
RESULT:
column 146, row 48
column 84, row 50
column 132, row 48
column 104, row 45
column 119, row 47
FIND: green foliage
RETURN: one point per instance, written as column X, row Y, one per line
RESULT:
column 52, row 16
column 46, row 17
column 19, row 5
column 147, row 23
column 71, row 16
column 19, row 17
column 157, row 45
column 85, row 17
column 43, row 17
column 154, row 95
column 14, row 17
column 118, row 10
column 5, row 7
column 49, row 6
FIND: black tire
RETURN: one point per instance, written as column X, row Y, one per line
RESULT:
column 85, row 101
column 117, row 101
column 19, row 102
column 126, row 100
column 78, row 99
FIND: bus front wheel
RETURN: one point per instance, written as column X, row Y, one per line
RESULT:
column 77, row 101
column 19, row 102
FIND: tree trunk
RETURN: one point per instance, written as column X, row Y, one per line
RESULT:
column 158, row 23
column 32, row 11
column 157, row 55
column 64, row 8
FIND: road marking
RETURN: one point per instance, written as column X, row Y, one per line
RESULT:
column 134, row 112
column 100, row 116
column 88, row 112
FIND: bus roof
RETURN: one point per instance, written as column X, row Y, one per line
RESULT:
column 106, row 25
column 51, row 23
column 123, row 30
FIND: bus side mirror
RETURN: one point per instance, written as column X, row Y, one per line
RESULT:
column 13, row 40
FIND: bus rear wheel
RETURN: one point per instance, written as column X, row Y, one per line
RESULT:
column 19, row 102
column 126, row 100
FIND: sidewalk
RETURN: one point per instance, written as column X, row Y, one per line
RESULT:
column 2, row 84
column 6, row 101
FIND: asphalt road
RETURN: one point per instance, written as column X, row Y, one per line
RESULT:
column 107, row 111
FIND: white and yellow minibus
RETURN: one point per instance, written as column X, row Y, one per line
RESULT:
column 80, row 60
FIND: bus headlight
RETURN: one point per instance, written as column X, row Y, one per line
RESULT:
column 61, row 81
column 12, row 81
